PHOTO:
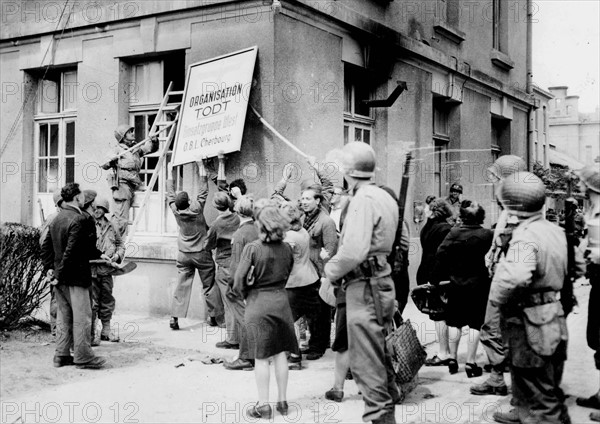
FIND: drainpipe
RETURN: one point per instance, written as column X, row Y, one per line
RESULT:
column 529, row 84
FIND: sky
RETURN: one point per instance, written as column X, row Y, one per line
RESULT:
column 566, row 48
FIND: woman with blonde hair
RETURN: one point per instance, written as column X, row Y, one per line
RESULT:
column 268, row 317
column 303, row 283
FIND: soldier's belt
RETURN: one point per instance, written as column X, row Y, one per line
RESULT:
column 372, row 267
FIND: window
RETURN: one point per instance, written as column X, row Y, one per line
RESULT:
column 441, row 138
column 499, row 24
column 500, row 137
column 54, row 134
column 569, row 109
column 448, row 11
column 358, row 123
column 148, row 82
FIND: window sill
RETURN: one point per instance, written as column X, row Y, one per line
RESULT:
column 452, row 34
column 502, row 60
column 153, row 247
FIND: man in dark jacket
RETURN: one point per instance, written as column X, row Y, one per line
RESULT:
column 66, row 253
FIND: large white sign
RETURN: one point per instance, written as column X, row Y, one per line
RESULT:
column 214, row 106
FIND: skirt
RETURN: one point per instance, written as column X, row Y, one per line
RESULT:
column 269, row 324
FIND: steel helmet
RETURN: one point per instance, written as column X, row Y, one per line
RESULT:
column 507, row 165
column 524, row 194
column 121, row 131
column 359, row 160
column 56, row 197
column 102, row 202
column 590, row 176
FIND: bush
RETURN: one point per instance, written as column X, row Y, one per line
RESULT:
column 23, row 286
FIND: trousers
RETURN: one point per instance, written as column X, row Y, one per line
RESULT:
column 103, row 302
column 74, row 323
column 123, row 198
column 320, row 327
column 187, row 264
column 593, row 324
column 234, row 306
column 535, row 379
column 366, row 344
column 491, row 338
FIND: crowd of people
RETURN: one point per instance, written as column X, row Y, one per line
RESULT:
column 267, row 265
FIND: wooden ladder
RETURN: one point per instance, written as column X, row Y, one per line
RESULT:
column 160, row 126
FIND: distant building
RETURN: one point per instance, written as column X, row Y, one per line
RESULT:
column 541, row 126
column 573, row 133
column 67, row 83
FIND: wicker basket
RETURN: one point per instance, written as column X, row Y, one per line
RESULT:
column 407, row 353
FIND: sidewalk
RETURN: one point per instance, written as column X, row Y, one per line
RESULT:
column 157, row 377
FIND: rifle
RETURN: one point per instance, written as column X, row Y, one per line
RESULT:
column 42, row 217
column 397, row 264
column 567, row 297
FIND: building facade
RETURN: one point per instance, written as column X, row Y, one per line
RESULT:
column 71, row 74
column 541, row 127
column 572, row 132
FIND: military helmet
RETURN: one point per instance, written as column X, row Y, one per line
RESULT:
column 102, row 202
column 523, row 194
column 121, row 131
column 590, row 176
column 506, row 165
column 359, row 160
column 56, row 197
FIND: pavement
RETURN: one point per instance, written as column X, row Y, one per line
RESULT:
column 157, row 376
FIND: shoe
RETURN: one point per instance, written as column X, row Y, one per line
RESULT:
column 487, row 389
column 95, row 364
column 239, row 364
column 174, row 323
column 305, row 350
column 227, row 345
column 510, row 417
column 334, row 395
column 62, row 361
column 264, row 411
column 111, row 337
column 452, row 366
column 349, row 375
column 282, row 407
column 595, row 416
column 473, row 370
column 212, row 321
column 590, row 402
column 313, row 356
column 435, row 361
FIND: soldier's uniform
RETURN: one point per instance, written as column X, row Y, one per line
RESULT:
column 526, row 288
column 109, row 242
column 124, row 179
column 367, row 239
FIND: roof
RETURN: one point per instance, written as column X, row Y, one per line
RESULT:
column 559, row 158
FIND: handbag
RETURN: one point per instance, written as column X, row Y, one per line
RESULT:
column 407, row 353
column 430, row 299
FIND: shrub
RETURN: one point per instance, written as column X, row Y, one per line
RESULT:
column 23, row 286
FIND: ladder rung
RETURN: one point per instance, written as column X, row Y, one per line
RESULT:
column 175, row 93
column 163, row 123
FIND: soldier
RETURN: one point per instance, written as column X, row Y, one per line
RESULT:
column 453, row 200
column 125, row 178
column 366, row 241
column 110, row 244
column 491, row 336
column 526, row 287
column 590, row 185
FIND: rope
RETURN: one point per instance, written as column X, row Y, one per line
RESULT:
column 276, row 133
column 13, row 128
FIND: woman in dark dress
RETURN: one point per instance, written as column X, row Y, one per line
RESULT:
column 432, row 235
column 461, row 256
column 268, row 317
